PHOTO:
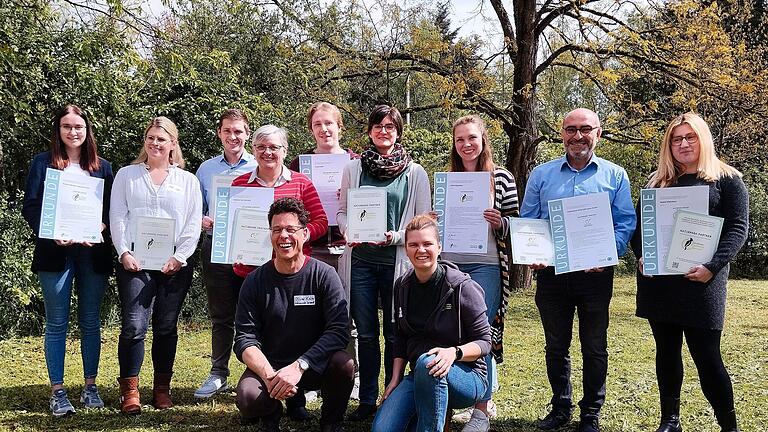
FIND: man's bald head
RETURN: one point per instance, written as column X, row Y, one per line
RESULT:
column 581, row 131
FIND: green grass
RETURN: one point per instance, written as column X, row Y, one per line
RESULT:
column 631, row 401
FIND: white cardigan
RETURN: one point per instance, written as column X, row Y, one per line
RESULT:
column 419, row 200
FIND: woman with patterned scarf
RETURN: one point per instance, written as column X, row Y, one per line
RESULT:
column 367, row 270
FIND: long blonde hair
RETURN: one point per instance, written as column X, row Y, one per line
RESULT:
column 710, row 168
column 485, row 159
column 175, row 156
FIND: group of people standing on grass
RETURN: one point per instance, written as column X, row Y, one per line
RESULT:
column 289, row 320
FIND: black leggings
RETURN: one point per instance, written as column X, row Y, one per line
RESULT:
column 704, row 345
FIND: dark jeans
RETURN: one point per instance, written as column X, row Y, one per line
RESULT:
column 369, row 284
column 704, row 345
column 223, row 288
column 335, row 383
column 145, row 295
column 558, row 297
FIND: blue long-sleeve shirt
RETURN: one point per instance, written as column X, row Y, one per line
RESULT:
column 557, row 179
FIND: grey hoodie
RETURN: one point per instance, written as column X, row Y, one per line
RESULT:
column 458, row 318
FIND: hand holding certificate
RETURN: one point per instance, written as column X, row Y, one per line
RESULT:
column 694, row 241
column 460, row 199
column 531, row 241
column 154, row 243
column 71, row 207
column 367, row 215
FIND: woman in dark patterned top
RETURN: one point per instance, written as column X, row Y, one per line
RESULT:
column 472, row 152
column 693, row 304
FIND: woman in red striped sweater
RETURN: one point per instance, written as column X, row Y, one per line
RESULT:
column 270, row 146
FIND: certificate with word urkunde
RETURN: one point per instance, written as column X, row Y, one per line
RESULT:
column 658, row 208
column 251, row 243
column 460, row 199
column 582, row 232
column 325, row 172
column 694, row 240
column 531, row 241
column 228, row 201
column 366, row 215
column 71, row 207
column 154, row 242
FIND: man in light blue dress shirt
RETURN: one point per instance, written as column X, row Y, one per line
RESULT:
column 221, row 283
column 588, row 293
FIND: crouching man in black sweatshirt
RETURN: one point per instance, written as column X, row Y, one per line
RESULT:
column 291, row 328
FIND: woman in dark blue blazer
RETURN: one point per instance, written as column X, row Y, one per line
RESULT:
column 59, row 262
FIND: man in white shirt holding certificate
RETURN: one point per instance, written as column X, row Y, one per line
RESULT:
column 578, row 172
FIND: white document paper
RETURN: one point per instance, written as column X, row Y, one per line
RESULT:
column 582, row 232
column 155, row 241
column 366, row 214
column 531, row 241
column 694, row 241
column 71, row 207
column 251, row 243
column 228, row 201
column 658, row 208
column 325, row 171
column 460, row 199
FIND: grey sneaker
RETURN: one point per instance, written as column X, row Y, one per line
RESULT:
column 90, row 397
column 479, row 422
column 212, row 385
column 60, row 404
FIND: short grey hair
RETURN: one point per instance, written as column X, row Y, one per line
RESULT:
column 267, row 130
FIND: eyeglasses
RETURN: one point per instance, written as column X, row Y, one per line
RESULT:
column 690, row 139
column 290, row 229
column 272, row 148
column 158, row 141
column 76, row 128
column 388, row 128
column 585, row 130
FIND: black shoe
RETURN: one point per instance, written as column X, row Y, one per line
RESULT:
column 247, row 421
column 670, row 415
column 589, row 423
column 363, row 412
column 271, row 423
column 727, row 421
column 299, row 414
column 556, row 418
column 334, row 427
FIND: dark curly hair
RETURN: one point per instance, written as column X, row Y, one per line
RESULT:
column 289, row 205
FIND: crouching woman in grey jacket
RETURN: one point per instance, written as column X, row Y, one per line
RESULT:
column 441, row 332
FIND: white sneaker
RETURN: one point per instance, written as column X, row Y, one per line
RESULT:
column 212, row 385
column 479, row 422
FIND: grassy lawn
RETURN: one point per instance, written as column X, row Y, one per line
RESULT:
column 631, row 402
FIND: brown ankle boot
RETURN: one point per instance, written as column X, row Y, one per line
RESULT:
column 161, row 391
column 130, row 403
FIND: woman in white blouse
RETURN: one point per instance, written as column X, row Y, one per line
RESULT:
column 154, row 185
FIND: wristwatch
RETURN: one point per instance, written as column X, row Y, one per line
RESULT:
column 459, row 353
column 303, row 365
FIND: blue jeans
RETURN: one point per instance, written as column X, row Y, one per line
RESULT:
column 57, row 293
column 487, row 276
column 145, row 295
column 369, row 283
column 420, row 401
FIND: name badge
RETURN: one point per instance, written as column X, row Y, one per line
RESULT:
column 174, row 188
column 304, row 300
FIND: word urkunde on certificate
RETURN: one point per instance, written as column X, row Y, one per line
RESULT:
column 582, row 232
column 460, row 199
column 325, row 172
column 71, row 207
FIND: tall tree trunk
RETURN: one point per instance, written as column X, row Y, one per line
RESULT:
column 522, row 133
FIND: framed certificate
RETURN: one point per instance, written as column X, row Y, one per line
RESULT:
column 658, row 208
column 531, row 241
column 228, row 201
column 154, row 243
column 367, row 214
column 694, row 240
column 251, row 243
column 582, row 232
column 71, row 207
column 325, row 172
column 460, row 199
